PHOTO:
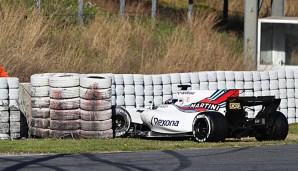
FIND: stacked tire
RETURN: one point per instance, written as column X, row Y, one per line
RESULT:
column 166, row 87
column 96, row 106
column 64, row 105
column 296, row 93
column 14, row 110
column 157, row 90
column 139, row 89
column 40, row 103
column 4, row 109
column 129, row 91
column 148, row 90
column 291, row 96
column 119, row 90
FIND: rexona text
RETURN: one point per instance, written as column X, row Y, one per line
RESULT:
column 163, row 122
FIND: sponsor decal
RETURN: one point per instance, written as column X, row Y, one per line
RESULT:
column 163, row 122
column 185, row 93
column 205, row 106
column 235, row 106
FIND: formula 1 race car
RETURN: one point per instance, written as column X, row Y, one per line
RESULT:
column 205, row 115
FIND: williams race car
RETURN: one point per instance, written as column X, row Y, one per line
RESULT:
column 205, row 115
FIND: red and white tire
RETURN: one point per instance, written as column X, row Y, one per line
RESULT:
column 40, row 123
column 40, row 91
column 65, row 93
column 95, row 94
column 96, row 115
column 64, row 104
column 107, row 134
column 95, row 105
column 95, row 81
column 40, row 132
column 96, row 125
column 64, row 80
column 40, row 102
column 40, row 112
column 65, row 124
column 73, row 114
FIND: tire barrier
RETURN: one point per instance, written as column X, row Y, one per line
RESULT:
column 96, row 103
column 10, row 115
column 58, row 100
column 39, row 124
column 64, row 106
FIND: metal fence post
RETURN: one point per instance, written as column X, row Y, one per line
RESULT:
column 38, row 4
column 80, row 11
column 190, row 10
column 250, row 32
column 154, row 8
column 122, row 8
column 225, row 11
column 278, row 8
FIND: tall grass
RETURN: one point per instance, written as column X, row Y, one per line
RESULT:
column 32, row 43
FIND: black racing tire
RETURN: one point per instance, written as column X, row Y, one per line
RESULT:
column 210, row 127
column 278, row 128
column 121, row 122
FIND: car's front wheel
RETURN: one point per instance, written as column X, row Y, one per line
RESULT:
column 121, row 122
column 210, row 127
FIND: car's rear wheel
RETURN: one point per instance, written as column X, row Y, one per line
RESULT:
column 278, row 128
column 210, row 127
column 121, row 122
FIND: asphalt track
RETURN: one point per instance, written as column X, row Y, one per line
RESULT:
column 281, row 157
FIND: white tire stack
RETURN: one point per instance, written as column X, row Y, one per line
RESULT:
column 221, row 80
column 204, row 85
column 230, row 79
column 212, row 80
column 129, row 90
column 282, row 86
column 14, row 110
column 4, row 109
column 291, row 96
column 96, row 106
column 157, row 90
column 239, row 82
column 139, row 89
column 296, row 93
column 248, row 85
column 40, row 103
column 119, row 90
column 148, row 90
column 195, row 80
column 64, row 104
column 166, row 87
column 265, row 83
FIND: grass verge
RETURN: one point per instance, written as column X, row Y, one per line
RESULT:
column 127, row 144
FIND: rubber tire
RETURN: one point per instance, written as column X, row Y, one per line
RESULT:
column 65, row 124
column 121, row 121
column 40, row 132
column 96, row 115
column 96, row 125
column 278, row 128
column 73, row 114
column 216, row 124
column 40, row 123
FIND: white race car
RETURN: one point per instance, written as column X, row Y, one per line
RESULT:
column 204, row 115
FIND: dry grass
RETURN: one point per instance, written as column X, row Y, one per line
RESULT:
column 31, row 43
